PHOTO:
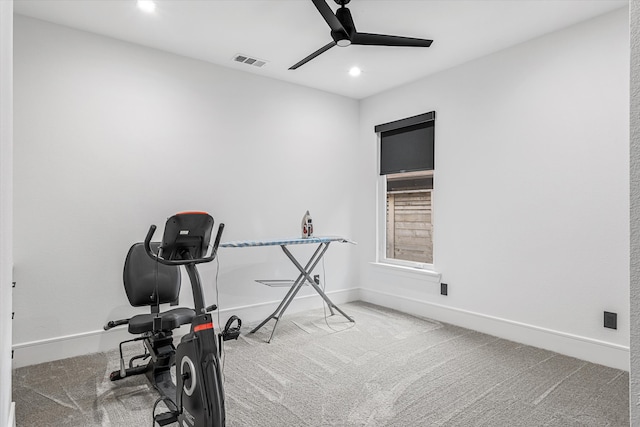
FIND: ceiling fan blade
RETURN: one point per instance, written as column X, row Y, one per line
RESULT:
column 385, row 40
column 313, row 55
column 328, row 16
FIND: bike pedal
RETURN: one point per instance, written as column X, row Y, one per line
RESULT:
column 166, row 418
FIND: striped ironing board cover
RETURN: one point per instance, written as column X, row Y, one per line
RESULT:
column 281, row 242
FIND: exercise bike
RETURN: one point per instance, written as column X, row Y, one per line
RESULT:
column 152, row 277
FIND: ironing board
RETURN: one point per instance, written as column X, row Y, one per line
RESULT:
column 304, row 277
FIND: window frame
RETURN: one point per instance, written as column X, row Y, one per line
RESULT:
column 382, row 221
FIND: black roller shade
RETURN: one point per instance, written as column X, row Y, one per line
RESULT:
column 407, row 145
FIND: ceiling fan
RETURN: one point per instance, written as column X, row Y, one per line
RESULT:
column 343, row 32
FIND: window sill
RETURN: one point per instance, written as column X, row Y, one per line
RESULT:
column 411, row 272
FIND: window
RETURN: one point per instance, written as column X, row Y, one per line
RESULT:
column 409, row 229
column 406, row 190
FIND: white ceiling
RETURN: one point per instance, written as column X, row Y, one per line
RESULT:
column 283, row 32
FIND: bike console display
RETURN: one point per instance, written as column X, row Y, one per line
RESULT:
column 186, row 232
column 186, row 239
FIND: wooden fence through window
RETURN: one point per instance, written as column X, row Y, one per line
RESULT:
column 409, row 226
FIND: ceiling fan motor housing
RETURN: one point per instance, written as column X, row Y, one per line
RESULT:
column 344, row 16
column 340, row 38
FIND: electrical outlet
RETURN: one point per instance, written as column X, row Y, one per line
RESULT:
column 610, row 320
column 316, row 279
column 444, row 289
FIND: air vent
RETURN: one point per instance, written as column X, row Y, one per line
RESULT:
column 246, row 59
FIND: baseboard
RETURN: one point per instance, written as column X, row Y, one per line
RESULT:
column 62, row 347
column 12, row 415
column 600, row 352
column 591, row 350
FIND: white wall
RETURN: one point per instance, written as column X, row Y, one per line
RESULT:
column 6, row 209
column 111, row 137
column 634, row 377
column 531, row 204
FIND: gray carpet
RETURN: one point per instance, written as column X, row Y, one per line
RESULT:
column 390, row 369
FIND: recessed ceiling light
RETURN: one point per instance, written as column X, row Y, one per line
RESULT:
column 147, row 6
column 355, row 71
